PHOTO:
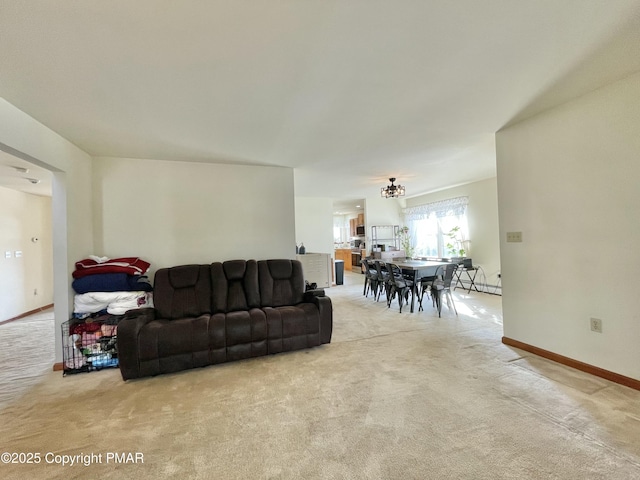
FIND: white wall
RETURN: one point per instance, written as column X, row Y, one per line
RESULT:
column 174, row 213
column 381, row 211
column 568, row 180
column 26, row 282
column 314, row 224
column 25, row 137
column 482, row 215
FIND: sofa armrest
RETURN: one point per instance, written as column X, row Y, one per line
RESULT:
column 309, row 294
column 325, row 307
column 128, row 330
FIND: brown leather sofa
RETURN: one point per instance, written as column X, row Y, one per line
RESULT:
column 209, row 314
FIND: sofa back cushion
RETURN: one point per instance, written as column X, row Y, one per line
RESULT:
column 281, row 282
column 235, row 286
column 183, row 291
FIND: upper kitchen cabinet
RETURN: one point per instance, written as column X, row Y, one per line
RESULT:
column 348, row 221
column 356, row 226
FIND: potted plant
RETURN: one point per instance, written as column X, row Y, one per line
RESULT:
column 405, row 241
column 456, row 244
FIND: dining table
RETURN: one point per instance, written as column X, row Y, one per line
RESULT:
column 418, row 269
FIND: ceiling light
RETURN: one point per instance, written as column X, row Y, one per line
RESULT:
column 392, row 191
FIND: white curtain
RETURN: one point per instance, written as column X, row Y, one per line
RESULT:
column 429, row 223
column 444, row 208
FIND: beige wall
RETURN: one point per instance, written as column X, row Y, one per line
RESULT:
column 25, row 137
column 568, row 180
column 26, row 282
column 174, row 213
column 381, row 211
column 482, row 215
column 204, row 213
column 314, row 224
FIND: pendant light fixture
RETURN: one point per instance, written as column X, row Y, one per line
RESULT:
column 392, row 191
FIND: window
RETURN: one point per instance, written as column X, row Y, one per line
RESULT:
column 429, row 225
column 341, row 232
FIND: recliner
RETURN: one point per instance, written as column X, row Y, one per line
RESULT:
column 209, row 314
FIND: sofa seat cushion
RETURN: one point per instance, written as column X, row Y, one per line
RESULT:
column 237, row 335
column 184, row 336
column 292, row 327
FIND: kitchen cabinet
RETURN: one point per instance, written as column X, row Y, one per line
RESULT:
column 354, row 223
column 351, row 258
column 345, row 255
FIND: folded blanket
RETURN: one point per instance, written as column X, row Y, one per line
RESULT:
column 128, row 265
column 116, row 303
column 112, row 282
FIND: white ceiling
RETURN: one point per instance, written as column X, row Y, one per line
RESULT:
column 348, row 92
column 35, row 180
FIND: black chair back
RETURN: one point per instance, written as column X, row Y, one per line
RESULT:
column 441, row 286
column 445, row 274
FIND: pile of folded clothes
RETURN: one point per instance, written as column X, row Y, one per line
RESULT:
column 105, row 289
column 110, row 285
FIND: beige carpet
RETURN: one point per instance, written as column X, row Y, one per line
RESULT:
column 394, row 396
column 26, row 354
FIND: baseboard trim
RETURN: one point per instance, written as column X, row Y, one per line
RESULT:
column 26, row 314
column 570, row 362
column 58, row 367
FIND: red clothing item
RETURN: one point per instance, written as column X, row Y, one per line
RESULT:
column 88, row 327
column 128, row 265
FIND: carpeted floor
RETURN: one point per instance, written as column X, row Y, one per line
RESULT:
column 27, row 353
column 394, row 396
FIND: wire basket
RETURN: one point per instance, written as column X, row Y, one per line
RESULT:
column 90, row 344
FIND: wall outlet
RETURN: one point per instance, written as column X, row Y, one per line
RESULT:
column 514, row 237
column 596, row 325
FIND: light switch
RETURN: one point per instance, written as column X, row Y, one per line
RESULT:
column 514, row 237
column 18, row 253
column 7, row 254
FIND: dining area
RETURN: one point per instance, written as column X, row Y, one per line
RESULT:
column 407, row 283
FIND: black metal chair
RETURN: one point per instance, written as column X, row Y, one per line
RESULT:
column 370, row 278
column 383, row 277
column 398, row 285
column 423, row 289
column 441, row 286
